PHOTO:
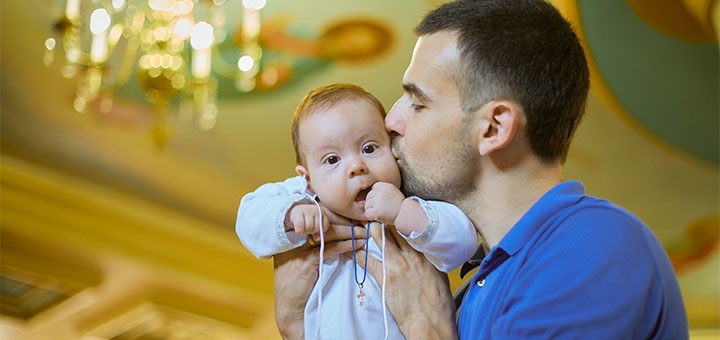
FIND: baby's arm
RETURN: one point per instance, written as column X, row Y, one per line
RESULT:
column 262, row 215
column 303, row 219
column 438, row 229
column 449, row 239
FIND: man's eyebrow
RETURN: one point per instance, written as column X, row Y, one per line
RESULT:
column 416, row 92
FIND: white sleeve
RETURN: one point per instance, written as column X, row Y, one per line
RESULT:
column 260, row 222
column 449, row 239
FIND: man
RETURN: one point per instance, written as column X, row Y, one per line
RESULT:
column 493, row 94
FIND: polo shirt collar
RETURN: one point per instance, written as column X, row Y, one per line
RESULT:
column 556, row 199
column 553, row 201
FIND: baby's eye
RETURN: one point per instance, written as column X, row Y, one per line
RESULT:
column 370, row 148
column 332, row 160
column 417, row 107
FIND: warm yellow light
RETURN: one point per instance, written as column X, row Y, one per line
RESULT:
column 178, row 82
column 50, row 44
column 72, row 9
column 99, row 21
column 162, row 34
column 245, row 63
column 201, row 35
column 201, row 38
column 156, row 4
column 183, row 27
column 156, row 32
column 49, row 56
column 176, row 64
column 270, row 77
column 183, row 7
column 156, row 60
column 118, row 4
column 251, row 18
column 254, row 4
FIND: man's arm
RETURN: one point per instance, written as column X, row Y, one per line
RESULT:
column 296, row 272
column 417, row 294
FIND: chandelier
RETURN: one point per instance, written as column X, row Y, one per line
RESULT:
column 170, row 46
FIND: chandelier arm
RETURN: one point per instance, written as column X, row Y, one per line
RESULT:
column 73, row 52
column 127, row 63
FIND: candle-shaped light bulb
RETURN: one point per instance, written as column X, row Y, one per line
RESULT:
column 201, row 38
column 254, row 4
column 99, row 23
column 72, row 9
column 251, row 18
column 201, row 35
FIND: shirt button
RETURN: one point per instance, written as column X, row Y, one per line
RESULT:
column 481, row 283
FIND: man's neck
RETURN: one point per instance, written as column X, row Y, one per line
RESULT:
column 505, row 196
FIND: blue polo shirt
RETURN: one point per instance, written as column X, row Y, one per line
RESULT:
column 574, row 267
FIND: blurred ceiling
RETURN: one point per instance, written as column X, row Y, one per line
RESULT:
column 200, row 173
column 106, row 236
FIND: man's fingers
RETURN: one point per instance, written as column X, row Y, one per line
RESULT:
column 373, row 266
column 338, row 232
column 342, row 232
column 338, row 239
column 335, row 218
column 390, row 234
column 339, row 247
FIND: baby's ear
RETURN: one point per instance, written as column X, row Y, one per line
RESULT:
column 305, row 174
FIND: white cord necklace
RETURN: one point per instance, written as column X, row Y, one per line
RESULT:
column 320, row 268
column 359, row 283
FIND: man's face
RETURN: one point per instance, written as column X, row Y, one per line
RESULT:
column 346, row 151
column 431, row 140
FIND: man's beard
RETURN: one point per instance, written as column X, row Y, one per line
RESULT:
column 449, row 184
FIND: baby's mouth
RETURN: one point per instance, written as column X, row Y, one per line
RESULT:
column 362, row 195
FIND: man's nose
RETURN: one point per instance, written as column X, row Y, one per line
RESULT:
column 393, row 121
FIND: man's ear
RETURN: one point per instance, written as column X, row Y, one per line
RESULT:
column 502, row 119
column 305, row 174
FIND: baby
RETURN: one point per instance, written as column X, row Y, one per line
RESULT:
column 345, row 162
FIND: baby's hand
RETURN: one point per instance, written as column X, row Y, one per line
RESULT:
column 383, row 203
column 303, row 218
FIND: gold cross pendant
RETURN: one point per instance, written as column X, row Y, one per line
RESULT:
column 361, row 295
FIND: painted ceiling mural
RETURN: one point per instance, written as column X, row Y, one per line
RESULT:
column 649, row 142
column 656, row 66
column 644, row 65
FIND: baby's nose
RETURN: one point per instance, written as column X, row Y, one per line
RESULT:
column 358, row 167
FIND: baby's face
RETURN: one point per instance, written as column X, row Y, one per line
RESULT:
column 346, row 151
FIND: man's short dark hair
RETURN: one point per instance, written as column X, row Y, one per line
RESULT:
column 524, row 51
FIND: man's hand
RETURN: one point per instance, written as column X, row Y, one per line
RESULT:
column 417, row 294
